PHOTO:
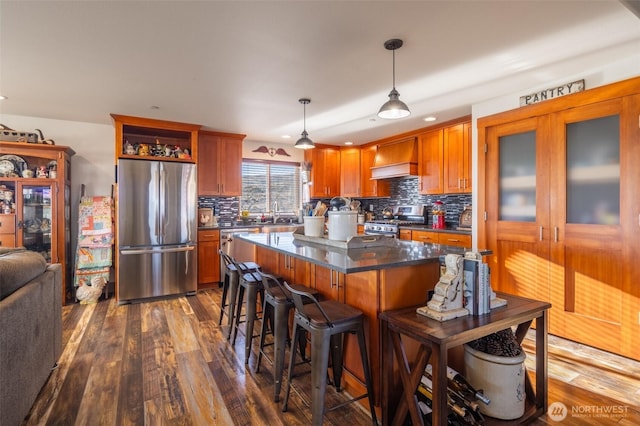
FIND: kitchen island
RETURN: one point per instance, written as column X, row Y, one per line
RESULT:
column 372, row 279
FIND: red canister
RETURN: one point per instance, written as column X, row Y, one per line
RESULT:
column 437, row 213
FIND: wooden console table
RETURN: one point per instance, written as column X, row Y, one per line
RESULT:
column 435, row 338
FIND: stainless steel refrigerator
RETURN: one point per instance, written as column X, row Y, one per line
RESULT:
column 157, row 229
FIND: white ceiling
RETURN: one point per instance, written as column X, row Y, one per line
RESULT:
column 241, row 66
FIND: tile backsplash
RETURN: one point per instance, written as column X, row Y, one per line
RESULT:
column 403, row 191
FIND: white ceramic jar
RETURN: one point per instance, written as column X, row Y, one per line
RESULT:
column 342, row 225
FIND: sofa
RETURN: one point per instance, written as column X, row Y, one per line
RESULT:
column 30, row 329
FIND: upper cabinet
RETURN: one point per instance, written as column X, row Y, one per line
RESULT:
column 457, row 158
column 371, row 187
column 146, row 138
column 444, row 165
column 430, row 167
column 219, row 163
column 350, row 184
column 325, row 172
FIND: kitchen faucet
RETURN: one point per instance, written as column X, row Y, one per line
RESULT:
column 275, row 211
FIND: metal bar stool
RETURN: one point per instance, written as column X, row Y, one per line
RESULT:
column 251, row 285
column 230, row 287
column 276, row 306
column 326, row 322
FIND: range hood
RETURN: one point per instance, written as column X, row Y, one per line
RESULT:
column 396, row 159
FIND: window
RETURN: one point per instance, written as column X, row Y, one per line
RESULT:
column 264, row 182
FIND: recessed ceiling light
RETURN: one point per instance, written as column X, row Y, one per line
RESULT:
column 348, row 143
column 286, row 136
column 431, row 118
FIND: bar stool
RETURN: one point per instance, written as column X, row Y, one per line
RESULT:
column 251, row 285
column 276, row 306
column 326, row 322
column 230, row 287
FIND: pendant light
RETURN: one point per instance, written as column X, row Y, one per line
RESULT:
column 304, row 142
column 394, row 107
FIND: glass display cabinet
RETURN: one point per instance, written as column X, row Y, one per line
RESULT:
column 35, row 198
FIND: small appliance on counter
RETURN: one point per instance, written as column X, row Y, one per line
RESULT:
column 438, row 212
column 465, row 219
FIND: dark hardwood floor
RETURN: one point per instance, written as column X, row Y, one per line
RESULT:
column 168, row 362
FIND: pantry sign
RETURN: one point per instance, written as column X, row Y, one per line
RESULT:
column 554, row 92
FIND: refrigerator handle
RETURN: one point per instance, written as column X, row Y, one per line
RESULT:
column 163, row 201
column 157, row 251
column 158, row 217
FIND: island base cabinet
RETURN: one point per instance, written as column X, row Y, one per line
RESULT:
column 373, row 292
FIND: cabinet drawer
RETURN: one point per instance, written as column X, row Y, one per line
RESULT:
column 7, row 224
column 425, row 236
column 209, row 235
column 7, row 240
column 459, row 240
column 405, row 234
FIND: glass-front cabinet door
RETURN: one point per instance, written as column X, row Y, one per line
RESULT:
column 517, row 207
column 36, row 220
column 587, row 240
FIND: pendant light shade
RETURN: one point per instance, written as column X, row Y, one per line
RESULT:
column 394, row 107
column 304, row 142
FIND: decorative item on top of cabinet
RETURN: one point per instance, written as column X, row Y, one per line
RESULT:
column 220, row 163
column 325, row 171
column 38, row 216
column 156, row 139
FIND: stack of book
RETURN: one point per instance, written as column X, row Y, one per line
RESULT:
column 479, row 298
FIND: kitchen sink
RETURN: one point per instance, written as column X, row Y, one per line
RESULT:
column 280, row 227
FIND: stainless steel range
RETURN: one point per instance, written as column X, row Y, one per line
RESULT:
column 402, row 216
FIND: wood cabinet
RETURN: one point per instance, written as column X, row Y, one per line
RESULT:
column 350, row 182
column 325, row 172
column 38, row 216
column 430, row 157
column 444, row 159
column 425, row 236
column 371, row 187
column 219, row 163
column 559, row 194
column 7, row 230
column 405, row 234
column 355, row 173
column 457, row 158
column 445, row 238
column 208, row 257
column 138, row 138
column 294, row 271
column 454, row 239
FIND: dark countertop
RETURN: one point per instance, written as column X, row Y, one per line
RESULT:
column 403, row 253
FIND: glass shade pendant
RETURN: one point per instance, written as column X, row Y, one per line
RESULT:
column 304, row 142
column 394, row 107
